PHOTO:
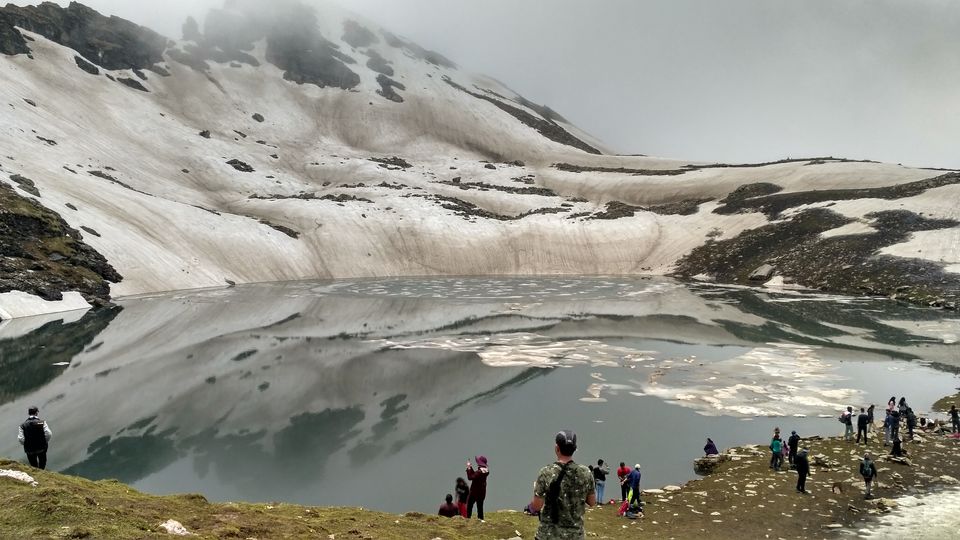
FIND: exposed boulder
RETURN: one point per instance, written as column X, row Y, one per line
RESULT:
column 708, row 464
column 110, row 42
column 762, row 273
column 240, row 166
column 86, row 66
column 258, row 117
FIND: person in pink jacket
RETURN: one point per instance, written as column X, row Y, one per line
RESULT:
column 478, row 486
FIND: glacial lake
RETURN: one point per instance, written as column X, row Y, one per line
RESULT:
column 375, row 393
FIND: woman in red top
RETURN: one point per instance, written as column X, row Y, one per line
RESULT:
column 478, row 486
column 622, row 472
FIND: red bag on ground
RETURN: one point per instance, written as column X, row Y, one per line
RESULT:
column 623, row 508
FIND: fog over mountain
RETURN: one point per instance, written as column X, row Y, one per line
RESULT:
column 740, row 80
column 283, row 142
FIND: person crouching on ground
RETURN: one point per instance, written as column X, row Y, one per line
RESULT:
column 448, row 509
column 562, row 492
column 478, row 486
column 34, row 435
column 710, row 449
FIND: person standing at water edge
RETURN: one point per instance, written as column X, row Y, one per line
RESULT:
column 955, row 418
column 868, row 470
column 846, row 418
column 478, row 486
column 802, row 464
column 793, row 442
column 34, row 435
column 562, row 492
column 870, row 417
column 622, row 472
column 600, row 473
column 776, row 450
column 862, row 422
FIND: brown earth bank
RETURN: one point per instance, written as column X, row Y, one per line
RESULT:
column 742, row 497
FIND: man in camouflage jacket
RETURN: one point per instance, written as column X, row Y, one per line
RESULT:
column 562, row 492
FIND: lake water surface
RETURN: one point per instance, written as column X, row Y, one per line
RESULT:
column 376, row 392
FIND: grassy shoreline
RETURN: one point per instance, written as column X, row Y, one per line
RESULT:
column 743, row 498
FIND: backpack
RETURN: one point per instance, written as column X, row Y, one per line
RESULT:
column 553, row 493
column 866, row 471
column 841, row 419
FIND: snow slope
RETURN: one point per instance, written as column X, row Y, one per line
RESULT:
column 170, row 213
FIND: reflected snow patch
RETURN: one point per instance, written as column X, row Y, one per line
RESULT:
column 525, row 349
column 777, row 380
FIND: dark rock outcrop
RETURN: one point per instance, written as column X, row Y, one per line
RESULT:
column 387, row 86
column 41, row 255
column 86, row 66
column 378, row 63
column 132, row 83
column 547, row 128
column 110, row 42
column 11, row 40
column 25, row 184
column 392, row 162
column 841, row 264
column 240, row 166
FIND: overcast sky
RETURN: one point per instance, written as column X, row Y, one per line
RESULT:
column 732, row 80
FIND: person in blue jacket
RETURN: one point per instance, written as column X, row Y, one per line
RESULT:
column 634, row 480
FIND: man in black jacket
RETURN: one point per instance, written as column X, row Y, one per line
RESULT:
column 862, row 421
column 793, row 443
column 35, row 435
column 803, row 469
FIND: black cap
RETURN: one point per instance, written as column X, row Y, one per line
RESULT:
column 567, row 441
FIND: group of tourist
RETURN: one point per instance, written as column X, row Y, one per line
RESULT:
column 897, row 413
column 563, row 489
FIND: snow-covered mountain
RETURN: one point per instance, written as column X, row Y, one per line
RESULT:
column 290, row 143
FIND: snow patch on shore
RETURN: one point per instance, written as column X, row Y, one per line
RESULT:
column 925, row 517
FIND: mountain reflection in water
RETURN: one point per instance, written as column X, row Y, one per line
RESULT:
column 375, row 392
